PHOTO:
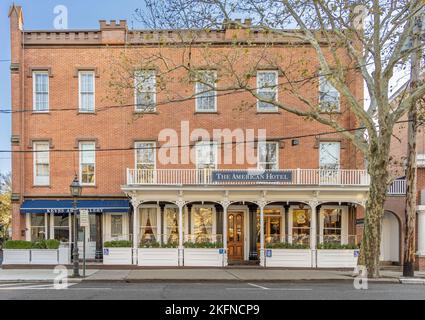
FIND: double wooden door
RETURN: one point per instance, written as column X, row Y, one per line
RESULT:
column 235, row 235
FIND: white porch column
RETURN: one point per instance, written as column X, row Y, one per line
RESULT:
column 136, row 202
column 313, row 232
column 261, row 204
column 225, row 204
column 421, row 231
column 180, row 203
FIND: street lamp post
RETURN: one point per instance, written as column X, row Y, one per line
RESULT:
column 75, row 189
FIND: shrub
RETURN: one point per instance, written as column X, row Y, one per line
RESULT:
column 45, row 244
column 118, row 244
column 284, row 245
column 17, row 244
column 156, row 244
column 203, row 245
column 336, row 246
column 52, row 244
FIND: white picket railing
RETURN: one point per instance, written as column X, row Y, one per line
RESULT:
column 397, row 187
column 206, row 177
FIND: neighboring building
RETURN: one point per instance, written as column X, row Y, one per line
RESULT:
column 61, row 76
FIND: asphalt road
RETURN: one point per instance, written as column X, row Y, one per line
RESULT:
column 210, row 291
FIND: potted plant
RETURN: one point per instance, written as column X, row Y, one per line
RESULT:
column 45, row 252
column 283, row 254
column 154, row 253
column 117, row 252
column 337, row 255
column 204, row 254
column 16, row 252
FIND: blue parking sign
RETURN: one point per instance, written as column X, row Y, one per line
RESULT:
column 268, row 253
column 356, row 253
column 221, row 251
column 106, row 252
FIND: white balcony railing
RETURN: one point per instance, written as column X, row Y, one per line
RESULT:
column 397, row 187
column 209, row 177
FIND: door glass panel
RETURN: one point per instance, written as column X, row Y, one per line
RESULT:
column 238, row 228
column 231, row 228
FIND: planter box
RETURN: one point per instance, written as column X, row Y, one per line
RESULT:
column 149, row 257
column 198, row 257
column 44, row 256
column 16, row 256
column 117, row 256
column 297, row 258
column 64, row 255
column 335, row 258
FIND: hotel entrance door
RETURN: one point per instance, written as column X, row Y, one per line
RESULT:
column 235, row 235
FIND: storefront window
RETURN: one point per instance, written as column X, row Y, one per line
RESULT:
column 332, row 224
column 61, row 227
column 148, row 225
column 272, row 225
column 172, row 224
column 202, row 219
column 38, row 227
column 116, row 225
column 301, row 226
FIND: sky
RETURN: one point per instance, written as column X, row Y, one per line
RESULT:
column 38, row 14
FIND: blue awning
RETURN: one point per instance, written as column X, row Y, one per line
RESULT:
column 65, row 206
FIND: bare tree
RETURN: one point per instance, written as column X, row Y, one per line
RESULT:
column 350, row 40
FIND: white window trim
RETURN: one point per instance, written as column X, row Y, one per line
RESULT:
column 154, row 152
column 339, row 151
column 34, row 99
column 158, row 219
column 215, row 94
column 107, row 229
column 136, row 92
column 215, row 145
column 52, row 226
column 29, row 226
column 80, row 164
column 338, row 109
column 39, row 181
column 290, row 221
column 282, row 219
column 344, row 223
column 79, row 92
column 275, row 90
column 277, row 154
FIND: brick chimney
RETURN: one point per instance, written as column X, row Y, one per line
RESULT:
column 113, row 32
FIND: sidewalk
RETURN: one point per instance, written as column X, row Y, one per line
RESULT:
column 200, row 275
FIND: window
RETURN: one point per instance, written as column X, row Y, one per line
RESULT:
column 300, row 226
column 172, row 224
column 116, row 225
column 329, row 155
column 272, row 225
column 61, row 227
column 87, row 162
column 148, row 225
column 328, row 96
column 86, row 89
column 332, row 225
column 145, row 90
column 205, row 91
column 206, row 155
column 145, row 155
column 202, row 224
column 37, row 227
column 41, row 163
column 267, row 85
column 41, row 91
column 268, row 155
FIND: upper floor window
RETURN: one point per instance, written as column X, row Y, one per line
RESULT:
column 329, row 155
column 41, row 163
column 87, row 162
column 328, row 96
column 206, row 155
column 41, row 91
column 267, row 85
column 145, row 155
column 86, row 91
column 206, row 99
column 145, row 90
column 268, row 155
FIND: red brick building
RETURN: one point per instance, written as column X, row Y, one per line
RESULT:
column 67, row 122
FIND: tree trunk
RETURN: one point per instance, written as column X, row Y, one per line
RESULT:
column 378, row 171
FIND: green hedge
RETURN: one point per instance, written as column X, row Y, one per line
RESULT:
column 337, row 246
column 17, row 244
column 41, row 244
column 156, row 244
column 284, row 245
column 118, row 244
column 203, row 245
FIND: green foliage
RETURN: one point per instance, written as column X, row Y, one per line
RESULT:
column 203, row 245
column 5, row 205
column 156, row 244
column 284, row 245
column 337, row 246
column 45, row 244
column 18, row 244
column 118, row 244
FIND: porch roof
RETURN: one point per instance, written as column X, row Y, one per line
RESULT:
column 65, row 206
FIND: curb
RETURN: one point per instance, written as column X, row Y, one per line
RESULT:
column 412, row 280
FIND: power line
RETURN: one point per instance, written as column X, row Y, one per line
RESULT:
column 194, row 144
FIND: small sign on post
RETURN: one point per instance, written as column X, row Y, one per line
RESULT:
column 84, row 218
